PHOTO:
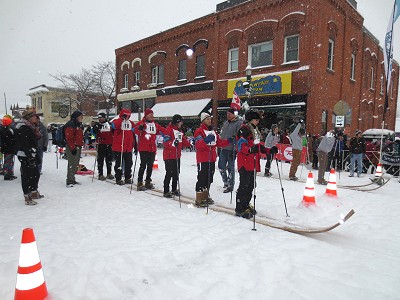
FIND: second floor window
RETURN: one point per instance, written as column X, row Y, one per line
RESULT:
column 182, row 70
column 371, row 84
column 126, row 81
column 137, row 77
column 233, row 60
column 260, row 54
column 331, row 51
column 382, row 85
column 291, row 48
column 39, row 102
column 200, row 66
column 157, row 74
column 353, row 67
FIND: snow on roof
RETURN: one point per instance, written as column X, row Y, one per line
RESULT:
column 184, row 108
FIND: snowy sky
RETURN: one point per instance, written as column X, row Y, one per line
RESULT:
column 43, row 36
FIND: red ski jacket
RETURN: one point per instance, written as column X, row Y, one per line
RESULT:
column 124, row 139
column 207, row 152
column 104, row 134
column 170, row 151
column 147, row 136
column 245, row 140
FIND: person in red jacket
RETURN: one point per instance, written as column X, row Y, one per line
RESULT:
column 174, row 140
column 104, row 137
column 122, row 146
column 147, row 131
column 206, row 141
column 73, row 132
column 248, row 161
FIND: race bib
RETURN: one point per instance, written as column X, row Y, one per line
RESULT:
column 178, row 135
column 207, row 132
column 105, row 127
column 256, row 137
column 126, row 125
column 151, row 128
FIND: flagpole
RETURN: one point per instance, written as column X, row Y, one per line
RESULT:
column 5, row 102
column 389, row 65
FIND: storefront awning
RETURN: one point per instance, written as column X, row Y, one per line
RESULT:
column 190, row 108
column 277, row 106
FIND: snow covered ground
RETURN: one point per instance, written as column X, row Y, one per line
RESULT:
column 98, row 241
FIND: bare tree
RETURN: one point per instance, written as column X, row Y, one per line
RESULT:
column 104, row 78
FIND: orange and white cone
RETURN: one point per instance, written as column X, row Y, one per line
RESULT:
column 309, row 192
column 30, row 278
column 378, row 172
column 331, row 188
column 155, row 164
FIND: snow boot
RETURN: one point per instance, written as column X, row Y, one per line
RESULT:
column 128, row 181
column 101, row 177
column 140, row 186
column 168, row 195
column 35, row 195
column 110, row 176
column 228, row 189
column 267, row 174
column 148, row 185
column 247, row 214
column 201, row 198
column 175, row 193
column 29, row 201
column 120, row 182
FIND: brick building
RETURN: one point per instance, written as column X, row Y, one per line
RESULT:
column 308, row 59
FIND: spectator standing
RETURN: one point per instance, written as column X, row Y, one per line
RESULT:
column 104, row 137
column 323, row 150
column 357, row 150
column 270, row 144
column 73, row 132
column 227, row 156
column 297, row 147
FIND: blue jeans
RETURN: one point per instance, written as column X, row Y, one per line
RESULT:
column 353, row 159
column 226, row 166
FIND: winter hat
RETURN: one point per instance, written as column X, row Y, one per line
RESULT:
column 233, row 111
column 358, row 131
column 28, row 113
column 176, row 119
column 6, row 121
column 148, row 111
column 101, row 115
column 273, row 126
column 252, row 115
column 76, row 114
column 204, row 116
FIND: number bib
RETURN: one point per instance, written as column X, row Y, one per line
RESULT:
column 151, row 128
column 105, row 127
column 178, row 135
column 207, row 132
column 126, row 125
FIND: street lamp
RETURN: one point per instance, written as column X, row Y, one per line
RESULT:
column 246, row 84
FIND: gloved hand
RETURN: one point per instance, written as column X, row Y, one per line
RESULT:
column 209, row 139
column 73, row 152
column 274, row 150
column 231, row 139
column 141, row 127
column 176, row 143
column 44, row 148
column 253, row 149
column 301, row 121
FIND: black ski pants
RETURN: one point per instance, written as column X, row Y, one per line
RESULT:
column 104, row 152
column 172, row 170
column 205, row 175
column 29, row 175
column 126, row 163
column 245, row 190
column 146, row 162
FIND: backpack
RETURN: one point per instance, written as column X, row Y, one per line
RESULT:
column 59, row 137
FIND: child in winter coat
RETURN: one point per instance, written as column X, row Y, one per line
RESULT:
column 206, row 141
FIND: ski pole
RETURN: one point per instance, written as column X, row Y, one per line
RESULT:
column 254, row 191
column 122, row 146
column 233, row 171
column 134, row 168
column 283, row 192
column 208, row 179
column 177, row 173
column 95, row 161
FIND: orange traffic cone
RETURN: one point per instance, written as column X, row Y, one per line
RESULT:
column 378, row 172
column 331, row 188
column 378, row 178
column 30, row 278
column 155, row 164
column 309, row 193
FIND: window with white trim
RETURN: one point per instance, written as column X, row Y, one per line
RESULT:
column 371, row 84
column 200, row 66
column 157, row 74
column 291, row 48
column 39, row 103
column 353, row 66
column 331, row 53
column 260, row 54
column 233, row 60
column 182, row 70
column 126, row 82
column 382, row 85
column 137, row 77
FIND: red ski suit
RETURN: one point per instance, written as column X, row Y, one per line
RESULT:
column 245, row 140
column 147, row 136
column 207, row 152
column 125, row 133
column 171, row 133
